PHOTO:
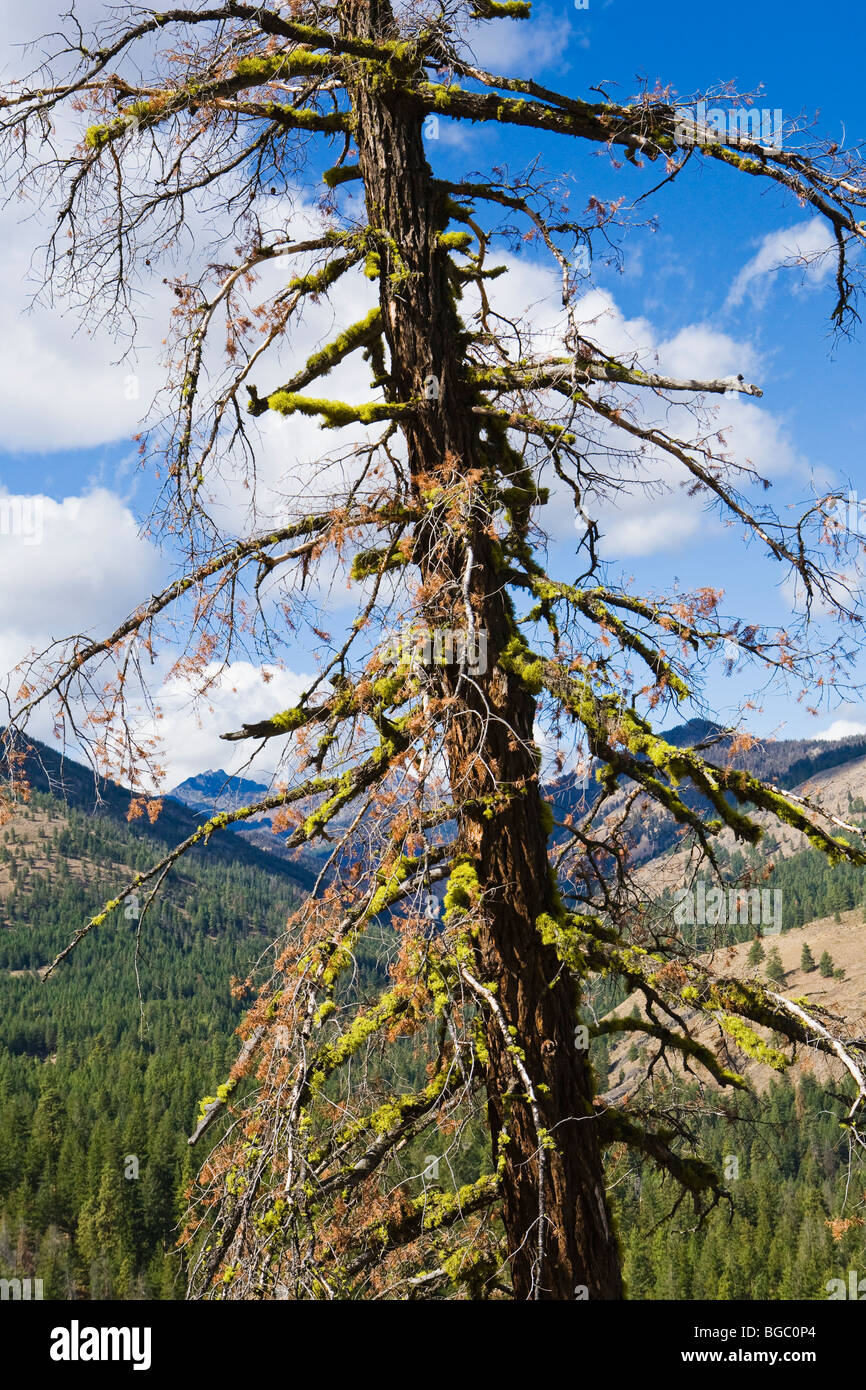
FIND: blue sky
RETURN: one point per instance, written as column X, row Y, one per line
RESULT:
column 677, row 279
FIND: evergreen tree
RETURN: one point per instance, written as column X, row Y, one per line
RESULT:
column 807, row 960
column 100, row 1232
column 825, row 965
column 774, row 970
column 756, row 953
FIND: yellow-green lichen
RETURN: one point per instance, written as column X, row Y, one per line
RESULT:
column 342, row 173
column 463, row 891
column 335, row 414
column 519, row 661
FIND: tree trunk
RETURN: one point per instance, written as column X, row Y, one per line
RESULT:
column 578, row 1249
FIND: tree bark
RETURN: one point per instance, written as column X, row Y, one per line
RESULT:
column 537, row 997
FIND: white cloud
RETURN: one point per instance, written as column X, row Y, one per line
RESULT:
column 842, row 728
column 297, row 462
column 601, row 320
column 806, row 242
column 190, row 730
column 645, row 527
column 700, row 352
column 59, row 390
column 639, row 522
column 524, row 45
column 73, row 565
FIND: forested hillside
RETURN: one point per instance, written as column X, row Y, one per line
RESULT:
column 786, row 1165
column 99, row 1089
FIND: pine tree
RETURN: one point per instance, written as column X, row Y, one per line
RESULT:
column 807, row 960
column 756, row 953
column 100, row 1230
column 825, row 965
column 774, row 970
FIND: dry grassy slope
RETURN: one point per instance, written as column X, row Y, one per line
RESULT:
column 31, row 854
column 846, row 943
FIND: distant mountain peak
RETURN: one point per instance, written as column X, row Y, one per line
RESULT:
column 216, row 784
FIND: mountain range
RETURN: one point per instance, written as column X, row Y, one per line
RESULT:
column 104, row 1065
